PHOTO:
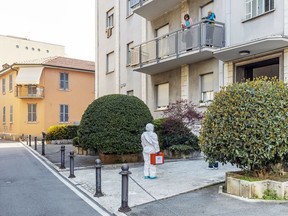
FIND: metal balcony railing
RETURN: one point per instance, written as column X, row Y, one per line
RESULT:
column 29, row 91
column 172, row 45
column 136, row 3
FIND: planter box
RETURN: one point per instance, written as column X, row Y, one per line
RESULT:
column 254, row 189
column 125, row 158
column 181, row 155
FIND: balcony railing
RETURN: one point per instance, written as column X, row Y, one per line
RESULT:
column 29, row 91
column 136, row 3
column 200, row 36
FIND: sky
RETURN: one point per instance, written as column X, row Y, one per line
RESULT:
column 70, row 23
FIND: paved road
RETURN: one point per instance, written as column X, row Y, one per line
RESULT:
column 27, row 187
column 208, row 202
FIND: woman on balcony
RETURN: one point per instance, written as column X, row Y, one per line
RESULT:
column 187, row 32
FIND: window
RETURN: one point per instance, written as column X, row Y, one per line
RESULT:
column 3, row 86
column 110, row 64
column 207, row 87
column 32, row 90
column 32, row 112
column 134, row 3
column 129, row 46
column 162, row 96
column 129, row 7
column 4, row 115
column 110, row 18
column 130, row 93
column 10, row 82
column 258, row 7
column 64, row 81
column 11, row 114
column 64, row 113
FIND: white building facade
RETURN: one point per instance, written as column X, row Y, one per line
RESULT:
column 141, row 49
column 17, row 49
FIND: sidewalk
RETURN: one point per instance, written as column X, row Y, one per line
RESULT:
column 174, row 178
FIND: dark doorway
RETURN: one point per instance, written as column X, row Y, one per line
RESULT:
column 268, row 68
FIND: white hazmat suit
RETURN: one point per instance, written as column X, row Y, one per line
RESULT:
column 150, row 144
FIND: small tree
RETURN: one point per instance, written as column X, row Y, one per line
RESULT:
column 113, row 124
column 184, row 111
column 247, row 125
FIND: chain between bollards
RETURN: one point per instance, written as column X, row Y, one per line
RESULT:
column 98, row 166
column 62, row 166
column 71, row 165
column 124, row 196
column 35, row 141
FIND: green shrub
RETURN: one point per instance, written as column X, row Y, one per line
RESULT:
column 181, row 148
column 113, row 124
column 59, row 132
column 174, row 132
column 247, row 125
column 76, row 141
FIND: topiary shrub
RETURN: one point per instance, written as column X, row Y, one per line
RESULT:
column 247, row 124
column 174, row 132
column 113, row 124
column 60, row 132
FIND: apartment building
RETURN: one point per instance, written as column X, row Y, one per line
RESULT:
column 37, row 94
column 20, row 49
column 142, row 50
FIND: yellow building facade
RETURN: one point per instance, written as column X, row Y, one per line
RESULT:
column 38, row 94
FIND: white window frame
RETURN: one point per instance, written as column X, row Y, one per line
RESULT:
column 130, row 93
column 10, row 82
column 128, row 53
column 64, row 81
column 162, row 96
column 207, row 94
column 32, row 113
column 255, row 8
column 11, row 114
column 110, row 18
column 110, row 62
column 64, row 113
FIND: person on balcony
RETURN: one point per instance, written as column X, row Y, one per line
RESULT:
column 209, row 20
column 187, row 32
column 150, row 144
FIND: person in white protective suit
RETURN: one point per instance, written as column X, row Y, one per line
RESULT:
column 150, row 144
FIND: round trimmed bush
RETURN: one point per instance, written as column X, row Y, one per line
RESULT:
column 247, row 125
column 113, row 124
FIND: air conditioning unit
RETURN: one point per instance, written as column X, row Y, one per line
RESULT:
column 109, row 32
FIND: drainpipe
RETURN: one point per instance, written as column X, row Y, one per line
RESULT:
column 117, row 46
column 97, row 50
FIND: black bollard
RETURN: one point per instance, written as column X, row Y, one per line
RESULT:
column 62, row 157
column 98, row 178
column 124, row 196
column 30, row 140
column 43, row 147
column 71, row 165
column 35, row 140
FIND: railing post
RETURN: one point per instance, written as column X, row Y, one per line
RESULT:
column 43, row 146
column 35, row 141
column 124, row 195
column 157, row 50
column 62, row 150
column 140, row 55
column 177, row 44
column 71, row 165
column 201, row 34
column 98, row 192
column 30, row 137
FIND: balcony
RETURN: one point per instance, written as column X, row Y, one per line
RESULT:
column 177, row 48
column 151, row 9
column 29, row 92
